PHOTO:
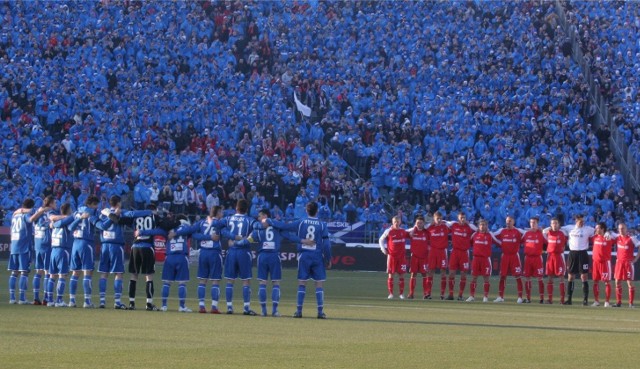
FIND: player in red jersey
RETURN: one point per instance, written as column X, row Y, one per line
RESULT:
column 393, row 244
column 461, row 232
column 534, row 243
column 419, row 255
column 511, row 238
column 556, row 266
column 602, row 247
column 481, row 242
column 438, row 242
column 625, row 271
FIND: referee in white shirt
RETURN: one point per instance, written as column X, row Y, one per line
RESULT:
column 578, row 235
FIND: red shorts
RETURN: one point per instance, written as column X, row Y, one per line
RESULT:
column 418, row 265
column 556, row 266
column 625, row 271
column 510, row 265
column 601, row 271
column 533, row 266
column 459, row 260
column 396, row 264
column 438, row 259
column 481, row 266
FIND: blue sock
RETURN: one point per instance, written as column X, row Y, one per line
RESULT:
column 215, row 295
column 320, row 299
column 45, row 295
column 275, row 298
column 117, row 289
column 165, row 293
column 302, row 291
column 229, row 294
column 182, row 294
column 73, row 287
column 86, row 284
column 246, row 297
column 23, row 287
column 49, row 295
column 102, row 286
column 12, row 286
column 262, row 296
column 202, row 288
column 62, row 282
column 36, row 286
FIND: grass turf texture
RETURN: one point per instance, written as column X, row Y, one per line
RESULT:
column 364, row 330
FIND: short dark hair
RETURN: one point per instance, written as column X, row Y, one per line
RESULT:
column 242, row 206
column 419, row 217
column 312, row 208
column 114, row 200
column 92, row 200
column 266, row 212
column 28, row 203
column 603, row 226
column 214, row 210
column 65, row 209
column 48, row 200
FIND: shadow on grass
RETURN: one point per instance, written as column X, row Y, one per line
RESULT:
column 482, row 325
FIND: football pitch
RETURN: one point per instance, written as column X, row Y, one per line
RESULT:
column 363, row 330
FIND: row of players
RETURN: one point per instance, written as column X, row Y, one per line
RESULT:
column 429, row 244
column 63, row 243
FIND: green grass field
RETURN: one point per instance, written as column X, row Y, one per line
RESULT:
column 364, row 330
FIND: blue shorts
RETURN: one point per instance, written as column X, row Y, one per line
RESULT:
column 42, row 259
column 210, row 264
column 311, row 266
column 82, row 255
column 111, row 258
column 269, row 264
column 59, row 261
column 176, row 268
column 20, row 262
column 238, row 264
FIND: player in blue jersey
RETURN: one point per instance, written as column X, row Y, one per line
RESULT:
column 82, row 253
column 20, row 250
column 312, row 258
column 239, row 258
column 61, row 244
column 143, row 258
column 207, row 235
column 269, row 264
column 112, row 252
column 176, row 264
column 42, row 248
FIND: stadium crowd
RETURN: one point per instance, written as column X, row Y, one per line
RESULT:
column 450, row 106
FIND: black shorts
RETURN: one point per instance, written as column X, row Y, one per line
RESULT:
column 142, row 260
column 578, row 262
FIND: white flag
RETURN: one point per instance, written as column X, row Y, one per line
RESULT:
column 302, row 108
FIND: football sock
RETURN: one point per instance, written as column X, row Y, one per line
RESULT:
column 596, row 291
column 229, row 294
column 12, row 287
column 275, row 297
column 607, row 291
column 487, row 286
column 632, row 294
column 166, row 287
column 215, row 295
column 401, row 283
column 23, row 287
column 117, row 290
column 541, row 288
column 302, row 290
column 585, row 290
column 46, row 296
column 36, row 286
column 149, row 290
column 49, row 295
column 246, row 297
column 132, row 290
column 73, row 287
column 102, row 288
column 412, row 285
column 262, row 296
column 501, row 286
column 562, row 291
column 390, row 285
column 519, row 287
column 463, row 284
column 182, row 294
column 62, row 282
column 443, row 284
column 202, row 288
column 619, row 293
column 320, row 299
column 86, row 285
column 452, row 285
column 570, row 291
column 472, row 288
column 429, row 285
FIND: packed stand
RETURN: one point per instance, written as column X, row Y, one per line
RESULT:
column 437, row 105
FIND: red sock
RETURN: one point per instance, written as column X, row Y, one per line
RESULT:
column 401, row 280
column 501, row 286
column 463, row 284
column 390, row 285
column 424, row 285
column 443, row 285
column 452, row 285
column 541, row 288
column 632, row 294
column 562, row 291
column 412, row 285
column 550, row 290
column 527, row 288
column 472, row 289
column 619, row 293
column 596, row 291
column 486, row 289
column 429, row 285
column 607, row 291
column 519, row 286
